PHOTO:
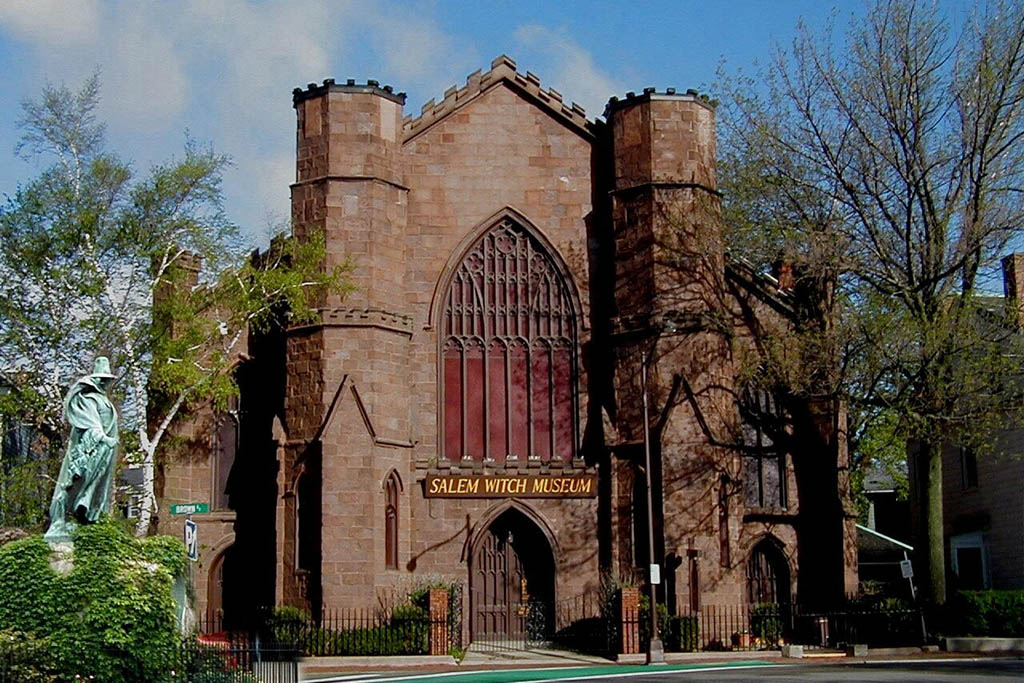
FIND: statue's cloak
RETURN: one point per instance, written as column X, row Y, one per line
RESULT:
column 88, row 467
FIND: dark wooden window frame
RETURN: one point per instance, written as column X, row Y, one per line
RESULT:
column 760, row 453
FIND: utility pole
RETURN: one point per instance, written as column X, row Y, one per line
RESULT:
column 655, row 650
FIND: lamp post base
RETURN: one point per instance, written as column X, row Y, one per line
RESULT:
column 656, row 652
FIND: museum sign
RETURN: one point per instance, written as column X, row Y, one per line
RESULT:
column 510, row 486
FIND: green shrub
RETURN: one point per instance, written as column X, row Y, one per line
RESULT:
column 112, row 616
column 25, row 658
column 680, row 633
column 408, row 638
column 406, row 632
column 986, row 613
column 766, row 623
column 677, row 633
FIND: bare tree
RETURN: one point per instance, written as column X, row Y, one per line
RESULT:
column 888, row 169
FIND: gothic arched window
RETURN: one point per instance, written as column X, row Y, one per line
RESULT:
column 391, row 521
column 508, row 353
column 225, row 449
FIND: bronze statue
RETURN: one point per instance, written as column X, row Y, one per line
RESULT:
column 84, row 484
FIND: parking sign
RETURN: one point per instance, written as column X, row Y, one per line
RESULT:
column 192, row 540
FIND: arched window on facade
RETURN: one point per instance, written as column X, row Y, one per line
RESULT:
column 508, row 353
column 764, row 464
column 391, row 487
column 767, row 574
column 225, row 449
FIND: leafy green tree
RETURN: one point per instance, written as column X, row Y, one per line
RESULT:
column 888, row 169
column 95, row 259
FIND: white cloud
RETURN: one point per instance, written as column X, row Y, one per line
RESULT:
column 570, row 68
column 144, row 82
column 415, row 50
column 224, row 69
column 57, row 21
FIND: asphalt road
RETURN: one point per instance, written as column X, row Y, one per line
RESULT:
column 873, row 672
column 938, row 671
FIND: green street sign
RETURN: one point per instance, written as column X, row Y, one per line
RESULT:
column 189, row 508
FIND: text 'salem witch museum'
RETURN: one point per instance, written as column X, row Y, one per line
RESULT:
column 473, row 411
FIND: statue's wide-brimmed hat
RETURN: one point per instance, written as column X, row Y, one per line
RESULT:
column 101, row 367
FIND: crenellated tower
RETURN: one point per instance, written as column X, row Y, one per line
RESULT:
column 349, row 186
column 672, row 319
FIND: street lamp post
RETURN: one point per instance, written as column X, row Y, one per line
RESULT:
column 655, row 650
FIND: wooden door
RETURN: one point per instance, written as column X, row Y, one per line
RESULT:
column 499, row 584
column 215, row 594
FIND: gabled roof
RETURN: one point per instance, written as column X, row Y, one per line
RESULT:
column 871, row 540
column 503, row 70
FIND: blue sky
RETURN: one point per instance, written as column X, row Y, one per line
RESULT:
column 223, row 70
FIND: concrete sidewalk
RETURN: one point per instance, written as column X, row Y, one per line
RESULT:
column 476, row 659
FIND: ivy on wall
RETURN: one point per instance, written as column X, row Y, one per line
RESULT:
column 111, row 616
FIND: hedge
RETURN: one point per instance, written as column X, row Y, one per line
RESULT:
column 111, row 616
column 998, row 613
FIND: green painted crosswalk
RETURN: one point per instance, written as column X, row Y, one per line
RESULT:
column 573, row 673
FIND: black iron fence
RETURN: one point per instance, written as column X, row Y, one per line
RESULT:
column 586, row 623
column 235, row 660
column 399, row 630
column 769, row 626
column 578, row 623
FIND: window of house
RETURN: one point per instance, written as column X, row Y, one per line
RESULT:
column 969, row 558
column 968, row 468
column 508, row 353
column 391, row 521
column 764, row 465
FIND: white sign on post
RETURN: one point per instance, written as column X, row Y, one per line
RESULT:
column 655, row 574
column 907, row 569
column 192, row 540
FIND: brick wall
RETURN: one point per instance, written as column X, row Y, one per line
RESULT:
column 995, row 507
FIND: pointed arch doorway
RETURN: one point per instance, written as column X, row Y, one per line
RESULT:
column 512, row 581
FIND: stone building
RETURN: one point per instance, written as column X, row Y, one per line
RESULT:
column 474, row 411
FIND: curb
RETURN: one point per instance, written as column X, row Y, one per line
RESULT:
column 972, row 644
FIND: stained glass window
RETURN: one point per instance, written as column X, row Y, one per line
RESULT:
column 508, row 353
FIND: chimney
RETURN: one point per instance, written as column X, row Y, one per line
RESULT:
column 191, row 264
column 783, row 272
column 1013, row 284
